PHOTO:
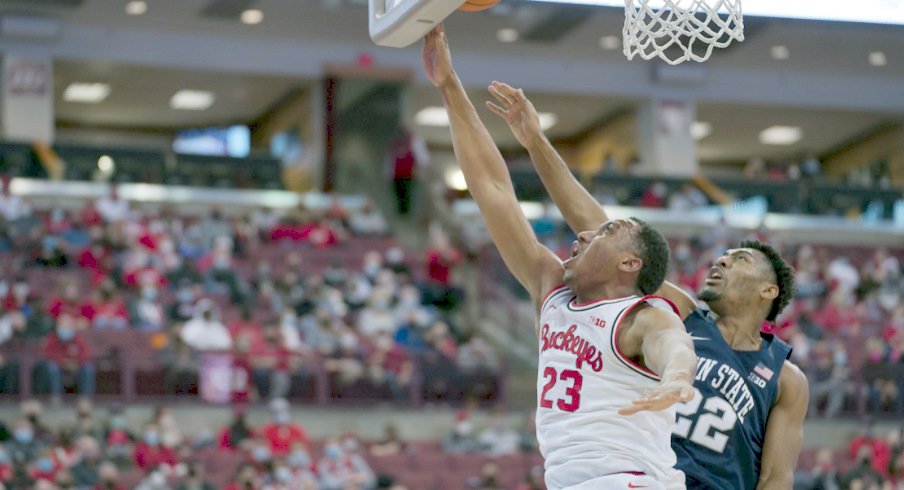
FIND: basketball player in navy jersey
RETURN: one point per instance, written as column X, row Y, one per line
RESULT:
column 744, row 428
column 613, row 359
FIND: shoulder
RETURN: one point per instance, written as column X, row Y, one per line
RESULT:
column 793, row 387
column 645, row 317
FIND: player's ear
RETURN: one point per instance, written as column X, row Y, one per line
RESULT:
column 630, row 263
column 769, row 292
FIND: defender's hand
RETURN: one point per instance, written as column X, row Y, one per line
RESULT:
column 517, row 111
column 436, row 57
column 663, row 396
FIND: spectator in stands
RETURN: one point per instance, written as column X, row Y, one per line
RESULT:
column 654, row 196
column 109, row 310
column 183, row 308
column 340, row 468
column 442, row 258
column 235, row 435
column 204, row 331
column 195, row 479
column 12, row 326
column 863, row 474
column 368, row 220
column 301, row 468
column 282, row 432
column 407, row 153
column 488, row 478
column 377, row 317
column 150, row 451
column 218, row 269
column 23, row 446
column 86, row 472
column 68, row 352
column 827, row 372
column 145, row 311
column 477, row 357
column 112, row 208
column 246, row 478
column 687, row 198
column 389, row 365
column 390, row 444
column 180, row 366
column 12, row 207
column 498, row 439
column 213, row 227
column 462, row 438
column 68, row 303
column 44, row 467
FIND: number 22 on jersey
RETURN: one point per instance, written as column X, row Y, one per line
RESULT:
column 709, row 431
column 571, row 402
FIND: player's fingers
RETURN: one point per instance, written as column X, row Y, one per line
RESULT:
column 501, row 97
column 507, row 89
column 495, row 109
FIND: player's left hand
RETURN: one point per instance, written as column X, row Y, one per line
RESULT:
column 663, row 396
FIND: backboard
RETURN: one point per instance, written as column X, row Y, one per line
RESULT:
column 399, row 23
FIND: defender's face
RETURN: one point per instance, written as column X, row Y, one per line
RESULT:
column 735, row 274
column 596, row 252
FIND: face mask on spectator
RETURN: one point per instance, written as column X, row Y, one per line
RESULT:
column 260, row 454
column 118, row 422
column 282, row 418
column 332, row 451
column 45, row 465
column 283, row 474
column 149, row 294
column 300, row 459
column 4, row 458
column 66, row 334
column 185, row 295
column 24, row 436
column 152, row 438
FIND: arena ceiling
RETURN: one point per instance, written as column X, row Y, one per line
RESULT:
column 563, row 37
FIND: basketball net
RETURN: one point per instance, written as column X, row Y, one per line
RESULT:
column 680, row 30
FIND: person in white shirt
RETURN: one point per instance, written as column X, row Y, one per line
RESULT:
column 113, row 208
column 12, row 207
column 205, row 331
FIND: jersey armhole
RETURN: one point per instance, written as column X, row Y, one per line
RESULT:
column 550, row 294
column 613, row 339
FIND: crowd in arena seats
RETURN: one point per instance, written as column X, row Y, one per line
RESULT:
column 873, row 460
column 110, row 449
column 287, row 296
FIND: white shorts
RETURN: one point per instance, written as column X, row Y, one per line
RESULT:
column 620, row 481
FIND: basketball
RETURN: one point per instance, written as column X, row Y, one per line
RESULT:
column 477, row 5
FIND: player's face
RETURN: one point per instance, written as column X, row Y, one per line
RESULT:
column 595, row 254
column 734, row 276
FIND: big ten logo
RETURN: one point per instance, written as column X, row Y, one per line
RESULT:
column 599, row 322
column 757, row 380
column 27, row 78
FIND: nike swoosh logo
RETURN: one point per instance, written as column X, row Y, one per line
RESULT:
column 699, row 338
column 631, row 485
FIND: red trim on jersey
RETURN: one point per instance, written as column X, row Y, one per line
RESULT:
column 617, row 349
column 583, row 305
column 550, row 293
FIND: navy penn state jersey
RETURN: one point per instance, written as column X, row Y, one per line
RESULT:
column 719, row 435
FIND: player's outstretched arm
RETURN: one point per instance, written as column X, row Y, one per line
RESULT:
column 667, row 350
column 489, row 183
column 785, row 430
column 581, row 211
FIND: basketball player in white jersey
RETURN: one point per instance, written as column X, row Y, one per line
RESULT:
column 613, row 361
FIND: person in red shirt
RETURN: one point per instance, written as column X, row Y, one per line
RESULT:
column 150, row 453
column 68, row 304
column 66, row 350
column 282, row 432
column 441, row 260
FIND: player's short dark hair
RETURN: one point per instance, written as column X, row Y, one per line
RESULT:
column 784, row 276
column 653, row 250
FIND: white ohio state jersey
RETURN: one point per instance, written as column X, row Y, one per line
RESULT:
column 582, row 382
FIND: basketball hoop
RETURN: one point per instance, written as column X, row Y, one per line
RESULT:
column 680, row 30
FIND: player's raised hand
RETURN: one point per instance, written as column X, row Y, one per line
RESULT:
column 663, row 396
column 517, row 111
column 437, row 58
